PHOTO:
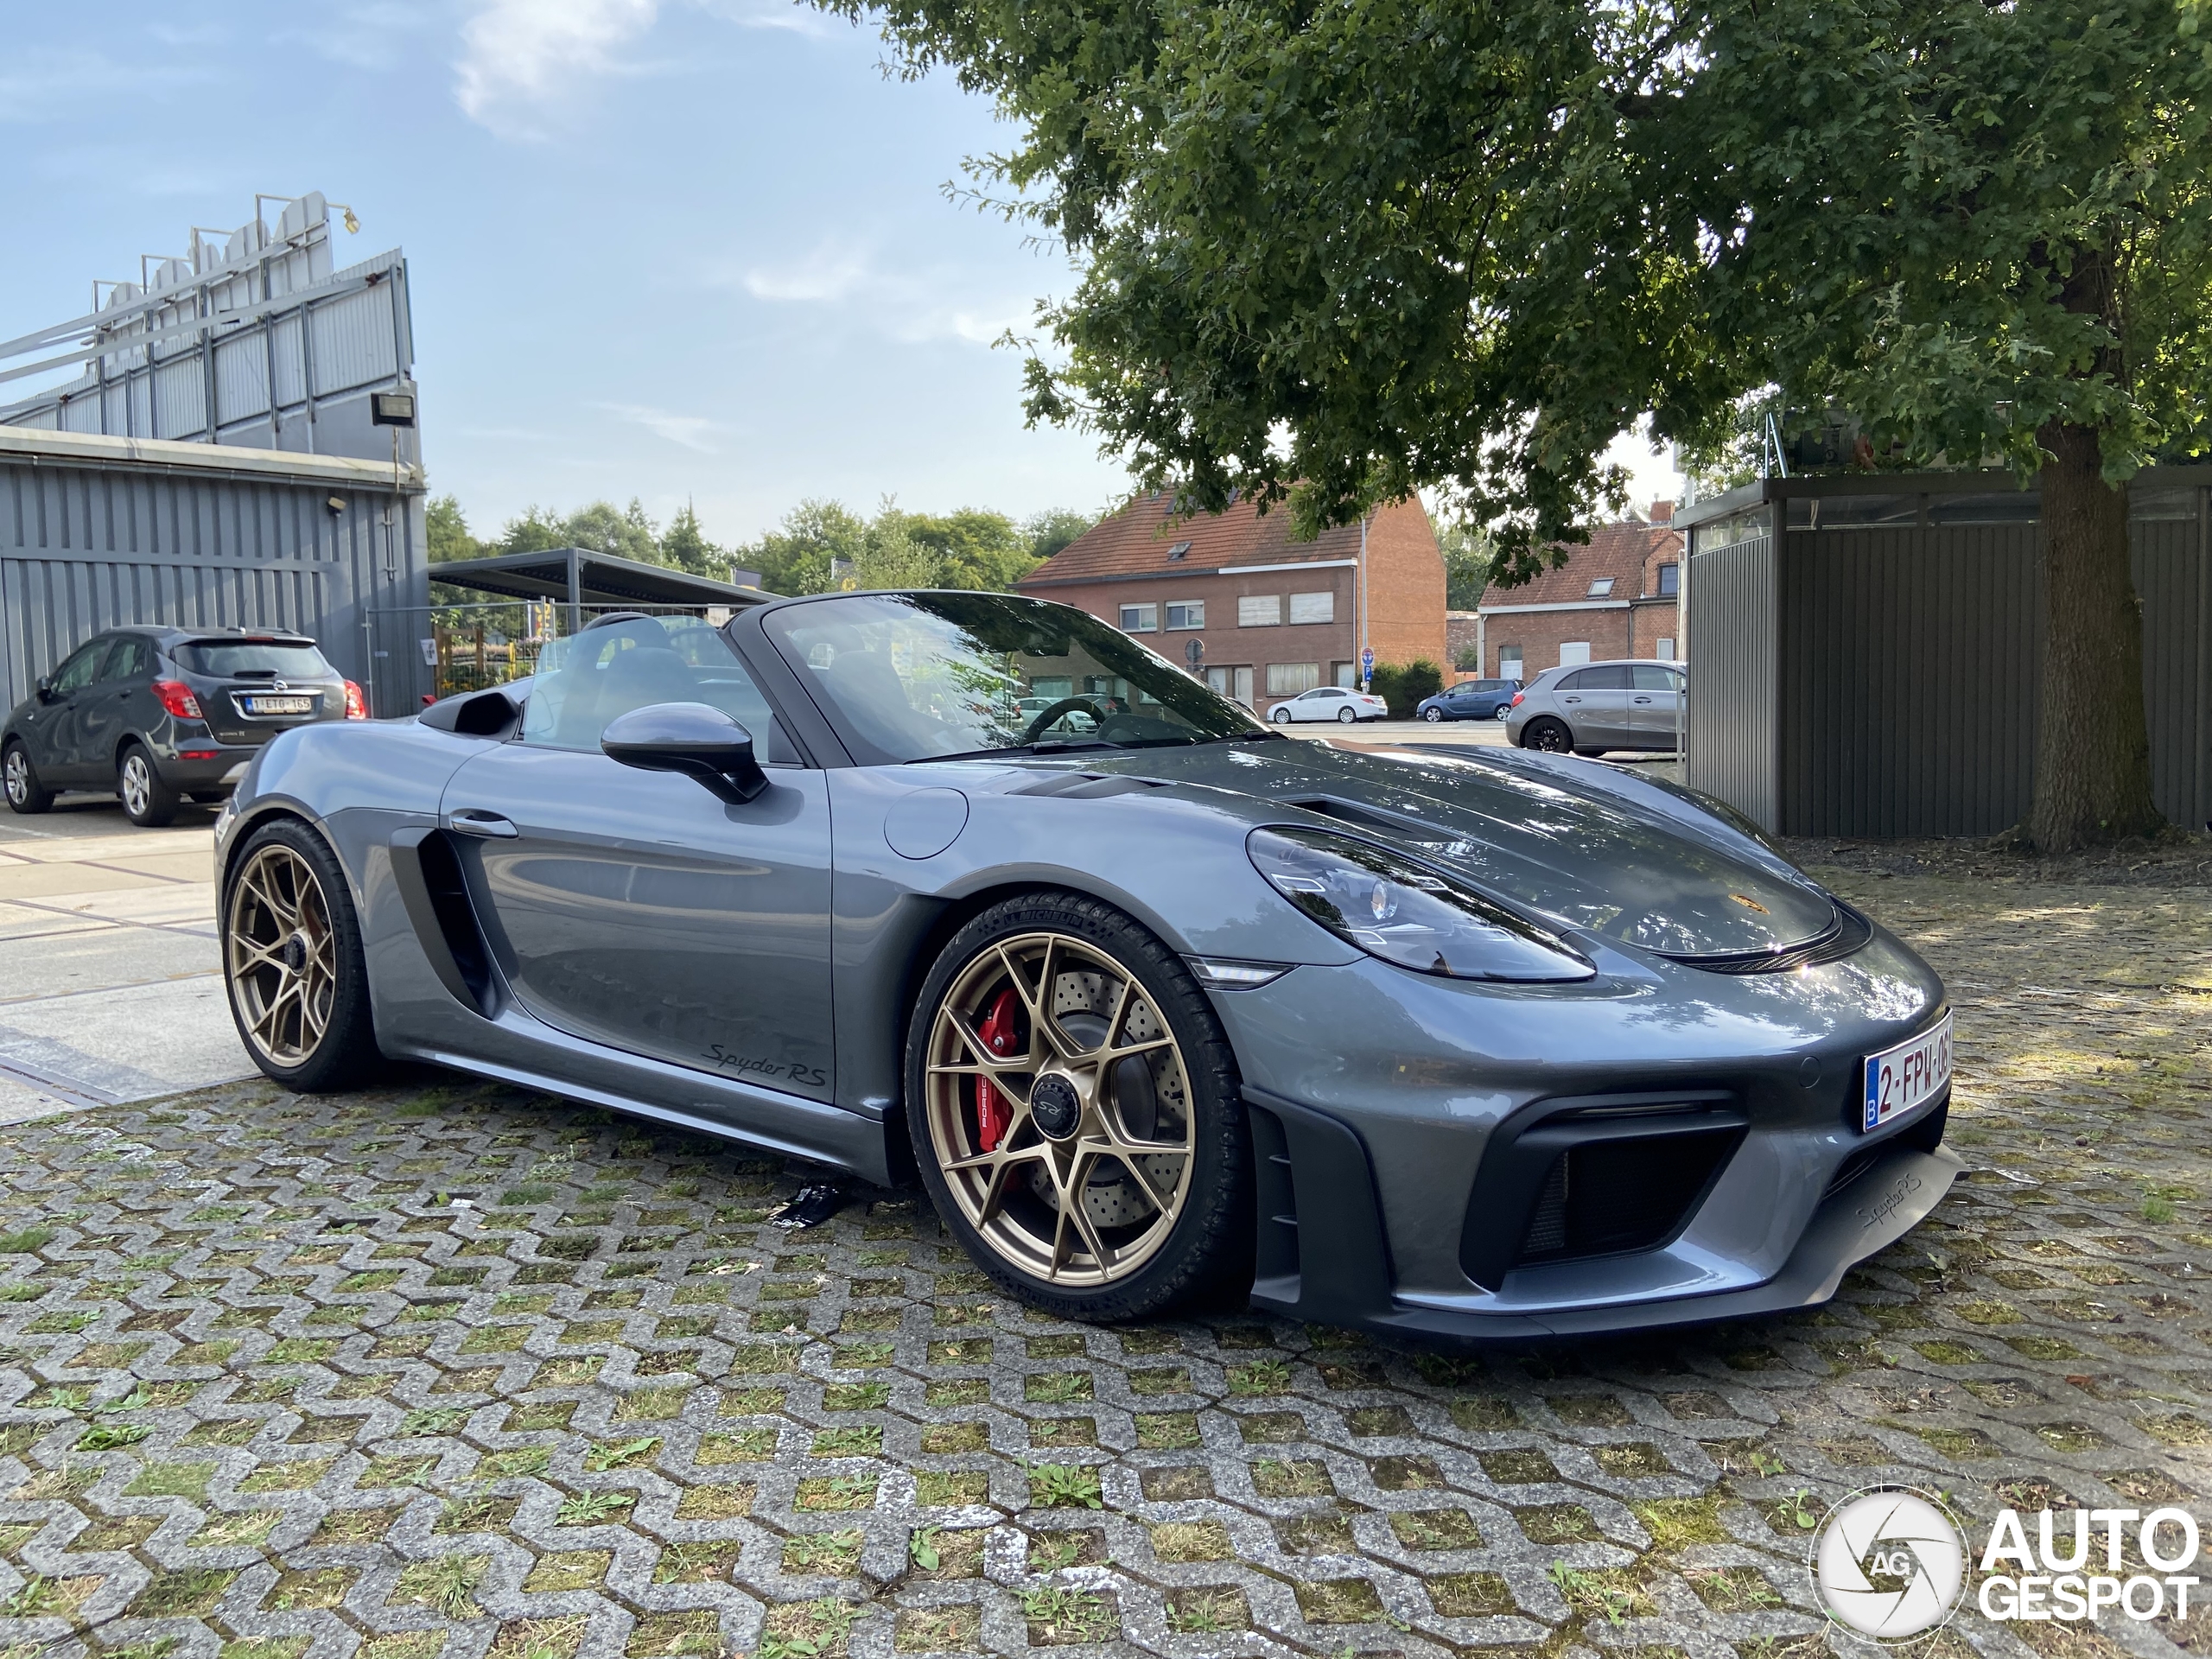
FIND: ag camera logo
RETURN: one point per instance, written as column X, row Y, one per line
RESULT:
column 1889, row 1563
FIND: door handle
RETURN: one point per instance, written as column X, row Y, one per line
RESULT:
column 474, row 821
column 1643, row 699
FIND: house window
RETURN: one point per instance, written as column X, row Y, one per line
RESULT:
column 1575, row 651
column 1313, row 608
column 1185, row 613
column 1602, row 587
column 1176, row 554
column 1140, row 618
column 1288, row 679
column 1670, row 581
column 1344, row 674
column 1260, row 611
column 1509, row 664
column 1665, row 650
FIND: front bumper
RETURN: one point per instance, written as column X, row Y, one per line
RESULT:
column 1334, row 1267
column 1385, row 1104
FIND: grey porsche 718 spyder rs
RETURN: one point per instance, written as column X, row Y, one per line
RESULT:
column 1161, row 1006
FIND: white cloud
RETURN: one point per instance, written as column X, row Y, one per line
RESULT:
column 518, row 53
column 692, row 431
column 912, row 308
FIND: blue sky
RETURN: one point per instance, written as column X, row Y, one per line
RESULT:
column 670, row 248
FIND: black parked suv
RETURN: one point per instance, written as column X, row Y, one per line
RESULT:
column 158, row 714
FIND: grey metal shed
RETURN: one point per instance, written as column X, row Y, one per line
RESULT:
column 1864, row 651
column 97, row 532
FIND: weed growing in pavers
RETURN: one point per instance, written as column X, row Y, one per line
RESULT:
column 1204, row 1610
column 589, row 1509
column 836, row 1554
column 1261, row 1376
column 807, row 1630
column 1469, row 1595
column 1064, row 1485
column 1436, row 1530
column 1732, row 1589
column 1058, row 1617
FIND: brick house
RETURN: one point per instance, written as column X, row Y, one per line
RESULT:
column 1617, row 596
column 1276, row 617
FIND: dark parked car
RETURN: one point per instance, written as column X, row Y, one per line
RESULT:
column 1470, row 700
column 1485, row 1044
column 159, row 714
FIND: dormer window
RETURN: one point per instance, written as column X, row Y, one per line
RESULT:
column 1176, row 552
column 1602, row 587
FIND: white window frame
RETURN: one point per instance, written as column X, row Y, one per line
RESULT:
column 1194, row 614
column 1315, row 608
column 1148, row 618
column 1600, row 588
column 1259, row 610
column 1573, row 653
column 1665, row 650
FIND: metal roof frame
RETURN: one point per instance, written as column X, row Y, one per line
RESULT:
column 579, row 576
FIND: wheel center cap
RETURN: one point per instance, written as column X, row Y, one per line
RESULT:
column 296, row 952
column 1055, row 1107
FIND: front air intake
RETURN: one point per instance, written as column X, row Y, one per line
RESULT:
column 1609, row 1198
column 1566, row 1180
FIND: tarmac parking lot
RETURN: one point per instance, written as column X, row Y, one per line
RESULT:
column 446, row 1369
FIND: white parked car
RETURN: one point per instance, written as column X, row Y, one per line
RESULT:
column 1329, row 703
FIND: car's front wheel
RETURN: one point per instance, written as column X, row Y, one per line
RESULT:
column 26, row 794
column 1075, row 1112
column 1281, row 715
column 1431, row 714
column 293, row 965
column 146, row 799
column 1549, row 735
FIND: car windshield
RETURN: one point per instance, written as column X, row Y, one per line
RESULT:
column 920, row 677
column 254, row 660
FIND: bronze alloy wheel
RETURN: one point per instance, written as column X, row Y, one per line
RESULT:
column 282, row 953
column 1058, row 1108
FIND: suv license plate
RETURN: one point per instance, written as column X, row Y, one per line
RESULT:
column 278, row 705
column 1902, row 1079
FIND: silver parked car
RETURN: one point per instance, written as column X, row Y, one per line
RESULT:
column 1593, row 708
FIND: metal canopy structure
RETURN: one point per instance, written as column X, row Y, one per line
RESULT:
column 578, row 576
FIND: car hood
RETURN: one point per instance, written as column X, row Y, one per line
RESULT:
column 1527, row 830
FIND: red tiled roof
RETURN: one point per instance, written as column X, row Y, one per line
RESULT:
column 1615, row 551
column 1137, row 540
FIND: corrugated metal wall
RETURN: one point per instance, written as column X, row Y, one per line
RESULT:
column 1883, row 682
column 1732, row 700
column 87, row 546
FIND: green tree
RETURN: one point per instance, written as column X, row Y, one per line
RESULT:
column 1048, row 532
column 1334, row 255
column 684, row 545
column 626, row 533
column 1466, row 549
column 535, row 532
column 446, row 531
column 796, row 556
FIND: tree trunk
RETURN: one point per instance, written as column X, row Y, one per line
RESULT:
column 2093, row 749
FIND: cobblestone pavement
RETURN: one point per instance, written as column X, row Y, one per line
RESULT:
column 450, row 1370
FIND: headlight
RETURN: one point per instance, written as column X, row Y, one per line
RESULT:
column 1392, row 908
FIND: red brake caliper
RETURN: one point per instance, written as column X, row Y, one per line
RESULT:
column 993, row 1113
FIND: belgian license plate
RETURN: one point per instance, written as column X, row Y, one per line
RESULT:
column 267, row 705
column 1901, row 1080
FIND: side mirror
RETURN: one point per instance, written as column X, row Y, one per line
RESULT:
column 45, row 688
column 692, row 738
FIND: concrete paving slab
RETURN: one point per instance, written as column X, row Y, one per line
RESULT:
column 44, row 848
column 135, row 1042
column 154, row 905
column 21, row 1101
column 43, row 880
column 25, row 921
column 164, row 865
column 68, row 964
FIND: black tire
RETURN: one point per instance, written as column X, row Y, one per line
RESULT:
column 1207, row 1256
column 1588, row 754
column 1549, row 735
column 345, row 1054
column 26, row 795
column 147, row 800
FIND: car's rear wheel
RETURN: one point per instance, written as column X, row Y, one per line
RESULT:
column 146, row 799
column 25, row 793
column 1549, row 735
column 1346, row 715
column 292, row 962
column 1075, row 1113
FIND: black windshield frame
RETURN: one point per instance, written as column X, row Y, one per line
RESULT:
column 1005, row 622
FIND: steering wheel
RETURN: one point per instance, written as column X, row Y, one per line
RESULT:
column 1089, row 705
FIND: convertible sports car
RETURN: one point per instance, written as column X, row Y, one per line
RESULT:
column 1159, row 1005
